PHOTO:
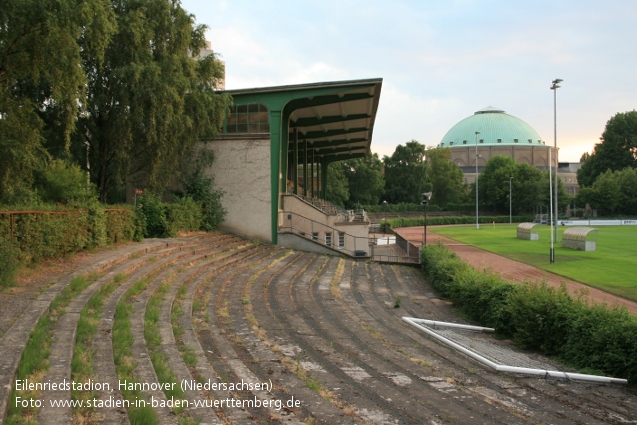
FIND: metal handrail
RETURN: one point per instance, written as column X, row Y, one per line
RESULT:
column 324, row 205
column 386, row 258
column 334, row 244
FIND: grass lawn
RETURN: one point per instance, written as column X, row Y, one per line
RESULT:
column 613, row 266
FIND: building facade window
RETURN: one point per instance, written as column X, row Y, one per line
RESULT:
column 251, row 118
column 328, row 238
column 341, row 240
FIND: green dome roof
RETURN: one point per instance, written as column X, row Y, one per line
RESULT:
column 496, row 127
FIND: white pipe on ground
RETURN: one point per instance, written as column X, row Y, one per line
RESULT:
column 504, row 368
column 435, row 323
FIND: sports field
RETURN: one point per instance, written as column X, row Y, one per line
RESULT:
column 612, row 267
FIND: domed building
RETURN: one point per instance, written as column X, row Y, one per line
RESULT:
column 490, row 132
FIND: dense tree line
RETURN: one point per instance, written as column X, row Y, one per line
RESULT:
column 527, row 186
column 114, row 85
column 413, row 169
column 608, row 176
column 400, row 178
column 616, row 151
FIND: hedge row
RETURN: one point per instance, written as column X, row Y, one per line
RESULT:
column 30, row 237
column 406, row 207
column 594, row 338
column 436, row 221
column 401, row 207
column 41, row 235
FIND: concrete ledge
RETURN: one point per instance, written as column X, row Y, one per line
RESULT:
column 290, row 240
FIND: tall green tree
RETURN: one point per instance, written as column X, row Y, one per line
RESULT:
column 405, row 173
column 529, row 187
column 617, row 150
column 364, row 179
column 150, row 100
column 445, row 176
column 612, row 192
column 42, row 82
column 337, row 190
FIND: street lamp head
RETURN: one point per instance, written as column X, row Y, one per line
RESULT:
column 477, row 132
column 555, row 83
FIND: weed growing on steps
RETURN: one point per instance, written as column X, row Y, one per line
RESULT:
column 124, row 363
column 34, row 363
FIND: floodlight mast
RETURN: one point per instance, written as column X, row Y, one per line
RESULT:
column 477, row 222
column 554, row 87
column 426, row 196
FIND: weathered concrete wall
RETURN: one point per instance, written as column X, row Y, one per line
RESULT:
column 242, row 170
column 290, row 240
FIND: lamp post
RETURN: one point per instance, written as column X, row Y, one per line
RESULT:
column 510, row 202
column 426, row 196
column 552, row 251
column 554, row 87
column 477, row 223
column 385, row 220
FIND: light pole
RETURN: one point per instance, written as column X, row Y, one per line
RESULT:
column 510, row 202
column 425, row 200
column 385, row 220
column 477, row 223
column 554, row 87
column 552, row 252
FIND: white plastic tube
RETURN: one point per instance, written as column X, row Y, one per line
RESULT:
column 504, row 368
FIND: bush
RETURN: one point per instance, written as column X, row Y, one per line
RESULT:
column 9, row 262
column 121, row 225
column 185, row 214
column 484, row 297
column 155, row 217
column 63, row 182
column 541, row 316
column 200, row 189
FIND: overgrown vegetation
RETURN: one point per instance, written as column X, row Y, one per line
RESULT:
column 34, row 363
column 124, row 362
column 595, row 338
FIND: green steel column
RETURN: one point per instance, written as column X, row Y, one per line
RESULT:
column 324, row 166
column 275, row 171
column 312, row 173
column 318, row 176
column 305, row 168
column 296, row 161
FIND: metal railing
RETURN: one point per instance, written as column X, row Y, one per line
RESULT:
column 329, row 208
column 315, row 231
column 383, row 258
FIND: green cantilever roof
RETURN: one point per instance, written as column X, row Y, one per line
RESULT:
column 335, row 118
column 334, row 121
column 496, row 127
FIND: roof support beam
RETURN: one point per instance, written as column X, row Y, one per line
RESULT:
column 337, row 143
column 318, row 120
column 333, row 133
